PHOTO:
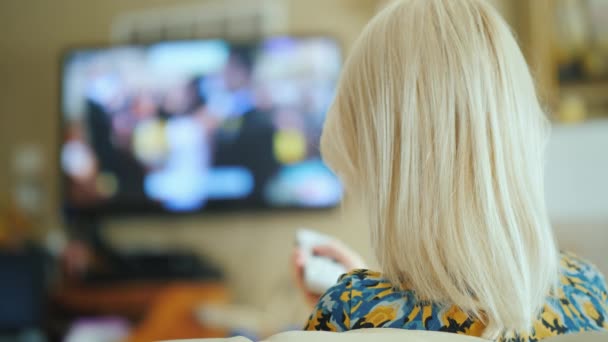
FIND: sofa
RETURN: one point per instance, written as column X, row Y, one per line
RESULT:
column 390, row 335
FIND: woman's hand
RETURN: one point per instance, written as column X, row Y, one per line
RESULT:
column 337, row 251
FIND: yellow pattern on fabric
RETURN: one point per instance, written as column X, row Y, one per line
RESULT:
column 381, row 314
column 364, row 299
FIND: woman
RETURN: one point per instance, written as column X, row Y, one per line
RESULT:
column 438, row 130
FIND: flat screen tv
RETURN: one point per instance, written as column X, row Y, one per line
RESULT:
column 197, row 126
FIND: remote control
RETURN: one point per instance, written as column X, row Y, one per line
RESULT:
column 320, row 273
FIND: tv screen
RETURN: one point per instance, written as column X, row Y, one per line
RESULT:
column 190, row 126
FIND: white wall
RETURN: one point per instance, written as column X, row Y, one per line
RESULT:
column 577, row 173
column 577, row 189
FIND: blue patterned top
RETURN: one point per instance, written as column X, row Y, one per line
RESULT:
column 364, row 299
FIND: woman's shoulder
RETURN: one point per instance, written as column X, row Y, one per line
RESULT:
column 366, row 299
column 574, row 263
column 360, row 285
column 370, row 290
column 575, row 270
column 362, row 274
column 582, row 298
column 360, row 299
column 362, row 282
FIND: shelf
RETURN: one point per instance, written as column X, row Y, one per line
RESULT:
column 596, row 90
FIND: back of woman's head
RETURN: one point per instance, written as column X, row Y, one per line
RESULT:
column 437, row 125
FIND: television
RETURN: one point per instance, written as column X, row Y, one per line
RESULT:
column 197, row 126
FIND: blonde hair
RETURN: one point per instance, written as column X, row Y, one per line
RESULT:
column 437, row 125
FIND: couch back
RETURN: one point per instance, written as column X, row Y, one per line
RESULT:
column 395, row 335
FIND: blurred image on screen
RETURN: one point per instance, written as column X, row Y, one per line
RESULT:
column 191, row 125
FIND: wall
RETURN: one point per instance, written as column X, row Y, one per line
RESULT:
column 577, row 188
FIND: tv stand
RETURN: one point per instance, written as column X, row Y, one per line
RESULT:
column 142, row 265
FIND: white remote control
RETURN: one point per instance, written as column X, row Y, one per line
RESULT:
column 320, row 273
